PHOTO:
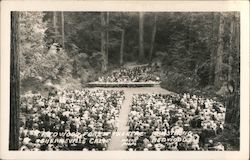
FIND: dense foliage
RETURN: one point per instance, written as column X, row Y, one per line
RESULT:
column 32, row 31
column 185, row 43
column 37, row 61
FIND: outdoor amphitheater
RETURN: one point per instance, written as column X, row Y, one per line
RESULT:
column 124, row 110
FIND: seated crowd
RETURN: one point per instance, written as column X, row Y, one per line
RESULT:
column 136, row 74
column 175, row 122
column 81, row 114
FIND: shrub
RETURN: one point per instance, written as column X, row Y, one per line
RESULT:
column 178, row 82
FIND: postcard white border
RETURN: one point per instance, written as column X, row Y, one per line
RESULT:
column 163, row 6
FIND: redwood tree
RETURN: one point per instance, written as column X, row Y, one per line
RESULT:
column 153, row 38
column 141, row 39
column 219, row 53
column 103, row 42
column 14, row 83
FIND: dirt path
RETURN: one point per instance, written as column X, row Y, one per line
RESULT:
column 117, row 140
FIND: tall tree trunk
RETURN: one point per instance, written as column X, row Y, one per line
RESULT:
column 233, row 100
column 237, row 69
column 190, row 25
column 141, row 40
column 107, row 38
column 212, row 49
column 153, row 38
column 231, row 48
column 122, row 46
column 192, row 64
column 63, row 35
column 103, row 42
column 55, row 24
column 219, row 56
column 237, row 51
column 14, row 83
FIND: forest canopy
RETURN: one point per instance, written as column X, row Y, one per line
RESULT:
column 200, row 46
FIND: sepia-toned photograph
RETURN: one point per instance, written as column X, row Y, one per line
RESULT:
column 136, row 81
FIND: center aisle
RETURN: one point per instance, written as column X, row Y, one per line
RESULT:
column 118, row 140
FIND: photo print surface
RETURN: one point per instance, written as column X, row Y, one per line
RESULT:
column 125, row 81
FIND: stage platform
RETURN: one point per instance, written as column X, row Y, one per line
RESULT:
column 123, row 84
